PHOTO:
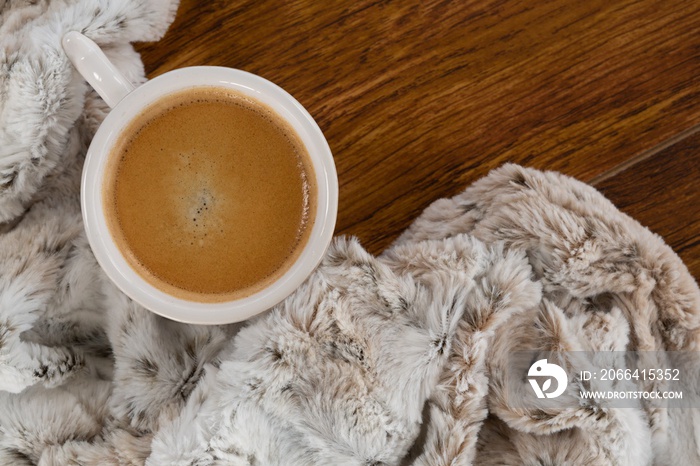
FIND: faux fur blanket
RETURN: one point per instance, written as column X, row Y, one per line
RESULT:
column 390, row 360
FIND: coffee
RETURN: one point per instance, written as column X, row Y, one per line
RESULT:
column 209, row 195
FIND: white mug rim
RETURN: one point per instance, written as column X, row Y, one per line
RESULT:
column 112, row 260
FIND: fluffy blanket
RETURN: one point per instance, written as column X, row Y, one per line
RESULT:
column 390, row 360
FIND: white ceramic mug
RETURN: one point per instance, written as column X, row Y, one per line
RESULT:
column 127, row 103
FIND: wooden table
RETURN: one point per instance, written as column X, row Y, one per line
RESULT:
column 420, row 98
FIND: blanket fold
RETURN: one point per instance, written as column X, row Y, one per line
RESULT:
column 401, row 359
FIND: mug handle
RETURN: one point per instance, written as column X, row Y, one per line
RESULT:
column 95, row 67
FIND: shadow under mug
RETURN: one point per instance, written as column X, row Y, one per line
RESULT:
column 127, row 103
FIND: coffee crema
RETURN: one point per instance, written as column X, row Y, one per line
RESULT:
column 210, row 196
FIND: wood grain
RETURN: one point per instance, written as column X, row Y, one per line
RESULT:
column 663, row 193
column 419, row 98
